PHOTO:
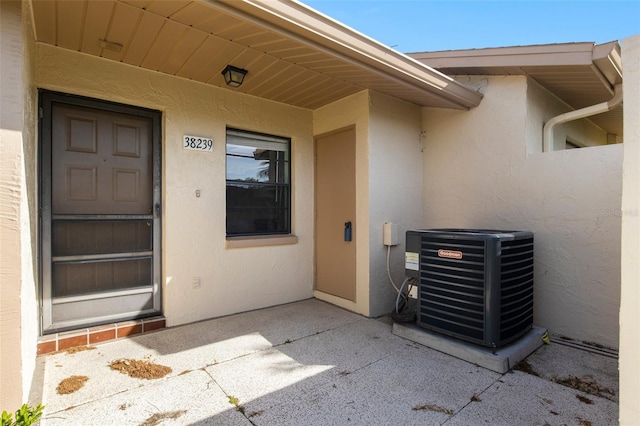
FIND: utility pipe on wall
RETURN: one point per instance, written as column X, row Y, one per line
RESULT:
column 547, row 132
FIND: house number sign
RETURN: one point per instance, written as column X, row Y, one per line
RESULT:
column 197, row 143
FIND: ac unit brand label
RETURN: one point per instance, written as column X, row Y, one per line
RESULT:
column 451, row 254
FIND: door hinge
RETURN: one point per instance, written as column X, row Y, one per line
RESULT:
column 158, row 210
column 40, row 113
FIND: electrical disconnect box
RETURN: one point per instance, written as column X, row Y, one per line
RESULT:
column 390, row 234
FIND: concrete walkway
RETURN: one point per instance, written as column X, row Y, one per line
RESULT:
column 310, row 363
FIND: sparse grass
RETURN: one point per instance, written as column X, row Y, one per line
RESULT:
column 475, row 398
column 235, row 401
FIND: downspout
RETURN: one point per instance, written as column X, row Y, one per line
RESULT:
column 547, row 132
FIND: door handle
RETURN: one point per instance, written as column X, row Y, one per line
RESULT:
column 347, row 231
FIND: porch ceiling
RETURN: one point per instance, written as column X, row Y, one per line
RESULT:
column 293, row 54
column 581, row 74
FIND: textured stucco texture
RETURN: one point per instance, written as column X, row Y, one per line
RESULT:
column 630, row 291
column 231, row 280
column 485, row 169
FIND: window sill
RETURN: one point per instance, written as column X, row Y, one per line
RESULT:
column 260, row 241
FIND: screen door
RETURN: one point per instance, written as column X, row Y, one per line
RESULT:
column 100, row 212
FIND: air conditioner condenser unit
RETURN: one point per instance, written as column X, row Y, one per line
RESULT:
column 475, row 285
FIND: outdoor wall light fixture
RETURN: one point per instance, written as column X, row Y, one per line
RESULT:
column 233, row 76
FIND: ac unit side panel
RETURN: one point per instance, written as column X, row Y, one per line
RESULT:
column 516, row 292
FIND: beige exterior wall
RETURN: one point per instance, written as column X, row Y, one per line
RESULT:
column 542, row 106
column 477, row 174
column 18, row 302
column 388, row 187
column 395, row 191
column 231, row 280
column 353, row 111
column 630, row 292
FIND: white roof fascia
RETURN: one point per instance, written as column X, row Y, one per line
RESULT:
column 605, row 57
column 516, row 56
column 608, row 59
column 297, row 21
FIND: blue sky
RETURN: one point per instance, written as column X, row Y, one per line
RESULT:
column 427, row 25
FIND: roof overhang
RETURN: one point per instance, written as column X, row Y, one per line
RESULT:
column 581, row 74
column 294, row 54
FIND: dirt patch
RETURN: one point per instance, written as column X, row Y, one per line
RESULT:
column 157, row 418
column 583, row 422
column 525, row 367
column 584, row 399
column 140, row 369
column 76, row 349
column 587, row 385
column 433, row 407
column 71, row 384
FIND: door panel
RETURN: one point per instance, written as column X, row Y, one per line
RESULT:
column 101, row 162
column 335, row 206
column 86, row 238
column 101, row 230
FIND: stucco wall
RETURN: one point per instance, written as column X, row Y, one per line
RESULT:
column 18, row 303
column 10, row 205
column 231, row 280
column 541, row 107
column 630, row 288
column 28, row 209
column 477, row 174
column 395, row 191
column 350, row 111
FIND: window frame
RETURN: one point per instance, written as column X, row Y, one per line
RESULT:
column 281, row 185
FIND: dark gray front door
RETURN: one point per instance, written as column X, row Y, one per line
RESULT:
column 101, row 205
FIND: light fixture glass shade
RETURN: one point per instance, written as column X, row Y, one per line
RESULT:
column 233, row 76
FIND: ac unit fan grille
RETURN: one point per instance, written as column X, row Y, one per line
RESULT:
column 452, row 296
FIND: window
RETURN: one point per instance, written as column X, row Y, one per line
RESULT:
column 258, row 184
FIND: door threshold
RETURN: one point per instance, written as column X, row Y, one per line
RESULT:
column 103, row 333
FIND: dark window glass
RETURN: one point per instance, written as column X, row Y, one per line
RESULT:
column 258, row 184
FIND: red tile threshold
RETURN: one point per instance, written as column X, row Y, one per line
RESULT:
column 102, row 333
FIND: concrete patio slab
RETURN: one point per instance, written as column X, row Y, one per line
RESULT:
column 315, row 364
column 523, row 399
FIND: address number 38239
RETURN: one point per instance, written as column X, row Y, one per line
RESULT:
column 197, row 143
